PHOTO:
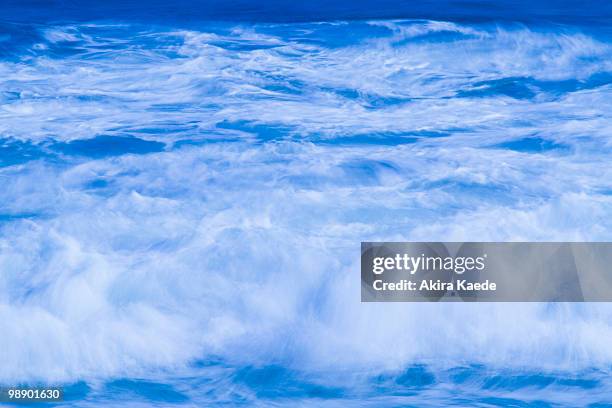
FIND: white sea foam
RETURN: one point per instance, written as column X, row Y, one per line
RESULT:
column 249, row 250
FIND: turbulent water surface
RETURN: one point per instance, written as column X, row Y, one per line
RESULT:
column 181, row 208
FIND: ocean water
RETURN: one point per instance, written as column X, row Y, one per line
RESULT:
column 184, row 189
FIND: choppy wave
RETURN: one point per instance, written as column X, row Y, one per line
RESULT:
column 188, row 205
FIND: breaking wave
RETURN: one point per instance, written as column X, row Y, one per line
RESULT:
column 181, row 209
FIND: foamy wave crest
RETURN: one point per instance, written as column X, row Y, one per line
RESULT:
column 170, row 195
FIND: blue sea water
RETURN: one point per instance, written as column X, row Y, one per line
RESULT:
column 184, row 187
